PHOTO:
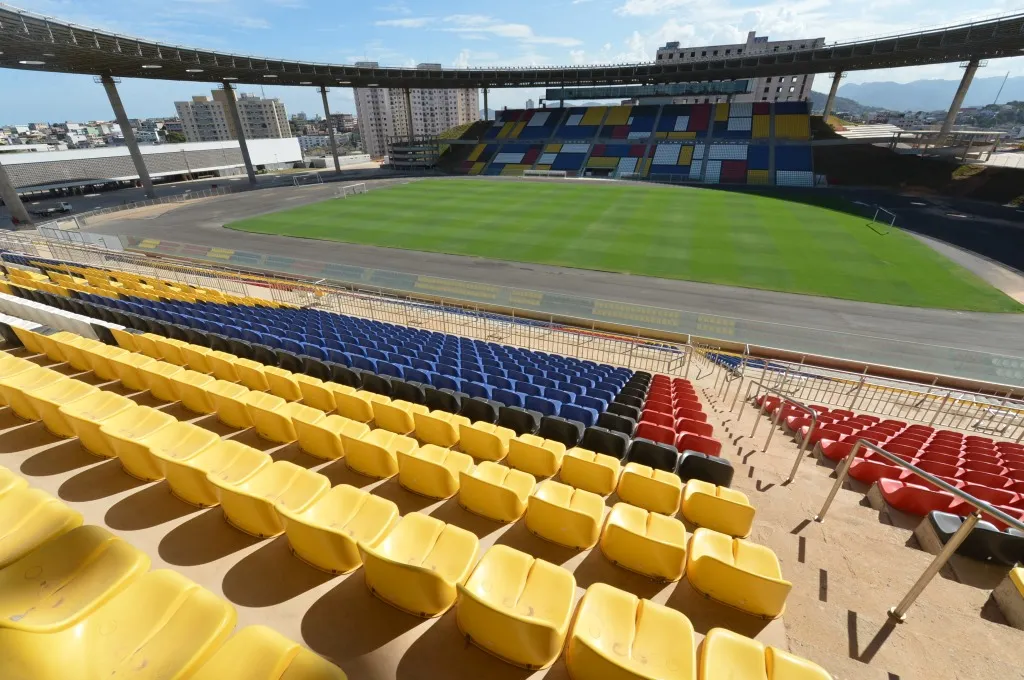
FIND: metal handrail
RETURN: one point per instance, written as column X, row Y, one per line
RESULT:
column 775, row 423
column 899, row 612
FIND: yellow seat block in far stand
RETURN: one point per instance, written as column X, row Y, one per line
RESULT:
column 594, row 472
column 725, row 654
column 645, row 542
column 230, row 401
column 564, row 515
column 321, row 436
column 439, row 428
column 87, row 415
column 46, row 402
column 376, row 453
column 432, row 471
column 189, row 474
column 418, row 566
column 261, row 653
column 618, row 636
column 517, row 607
column 737, row 572
column 358, row 405
column 651, row 489
column 250, row 504
column 327, row 533
column 485, row 441
column 397, row 416
column 190, row 388
column 126, row 434
column 495, row 491
column 14, row 388
column 536, row 455
column 29, row 518
column 717, row 508
column 63, row 581
column 161, row 626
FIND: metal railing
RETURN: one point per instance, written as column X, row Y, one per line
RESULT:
column 899, row 612
column 775, row 422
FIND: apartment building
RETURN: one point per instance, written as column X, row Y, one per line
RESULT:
column 769, row 89
column 382, row 112
column 208, row 120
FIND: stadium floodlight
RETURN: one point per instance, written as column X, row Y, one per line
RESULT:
column 151, row 66
column 269, row 75
column 32, row 62
column 193, row 70
column 306, row 82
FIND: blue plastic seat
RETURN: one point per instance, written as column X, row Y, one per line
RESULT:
column 364, row 363
column 606, row 396
column 587, row 416
column 422, row 365
column 588, row 401
column 446, row 369
column 390, row 369
column 376, row 354
column 509, row 398
column 339, row 357
column 472, row 376
column 547, row 407
column 518, row 376
column 399, row 359
column 572, row 389
column 315, row 351
column 541, row 381
column 583, row 382
column 416, row 375
column 445, row 382
column 558, row 395
column 475, row 389
column 527, row 389
column 499, row 382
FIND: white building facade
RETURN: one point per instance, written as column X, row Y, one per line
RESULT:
column 768, row 89
column 208, row 120
column 382, row 112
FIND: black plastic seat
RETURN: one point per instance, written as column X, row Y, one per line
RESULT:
column 265, row 355
column 985, row 543
column 445, row 400
column 569, row 432
column 103, row 334
column 477, row 409
column 636, row 392
column 653, row 454
column 629, row 400
column 76, row 306
column 9, row 336
column 240, row 348
column 378, row 384
column 176, row 332
column 412, row 392
column 194, row 336
column 711, row 469
column 289, row 361
column 316, row 368
column 611, row 421
column 519, row 420
column 602, row 440
column 343, row 375
column 219, row 343
column 624, row 410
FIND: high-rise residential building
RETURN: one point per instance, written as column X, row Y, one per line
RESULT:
column 767, row 89
column 382, row 112
column 207, row 120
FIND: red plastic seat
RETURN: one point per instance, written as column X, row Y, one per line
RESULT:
column 1017, row 488
column 949, row 433
column 1001, row 525
column 896, row 423
column 692, row 414
column 985, row 479
column 796, row 423
column 1010, row 447
column 1014, row 475
column 870, row 471
column 990, row 495
column 695, row 442
column 914, row 499
column 903, row 449
column 934, row 457
column 819, row 408
column 947, row 442
column 979, row 438
column 842, row 413
column 769, row 402
column 981, row 457
column 819, row 434
column 843, row 428
column 694, row 426
column 836, row 450
column 940, row 469
column 1012, row 461
column 977, row 466
column 687, row 402
column 656, row 398
column 918, row 441
column 874, row 439
column 658, row 406
column 658, row 418
column 656, row 433
column 944, row 450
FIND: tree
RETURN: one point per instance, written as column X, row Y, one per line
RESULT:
column 175, row 138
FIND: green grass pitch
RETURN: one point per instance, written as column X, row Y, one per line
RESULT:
column 692, row 234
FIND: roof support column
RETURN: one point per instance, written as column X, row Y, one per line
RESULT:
column 958, row 99
column 229, row 95
column 129, row 135
column 831, row 101
column 487, row 114
column 330, row 128
column 408, row 110
column 19, row 214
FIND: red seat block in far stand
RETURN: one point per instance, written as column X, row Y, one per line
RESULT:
column 656, row 433
column 914, row 499
column 694, row 442
column 694, row 426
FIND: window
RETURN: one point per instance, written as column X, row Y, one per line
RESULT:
column 659, row 57
column 768, row 79
column 766, row 90
column 794, row 79
column 775, row 49
column 704, row 53
column 792, row 89
column 715, row 53
column 764, row 99
column 693, row 54
column 778, row 89
column 739, row 51
column 728, row 51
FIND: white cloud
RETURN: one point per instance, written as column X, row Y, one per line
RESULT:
column 478, row 24
column 409, row 22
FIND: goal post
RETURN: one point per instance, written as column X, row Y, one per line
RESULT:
column 884, row 219
column 303, row 180
column 350, row 190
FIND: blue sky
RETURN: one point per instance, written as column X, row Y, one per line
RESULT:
column 454, row 33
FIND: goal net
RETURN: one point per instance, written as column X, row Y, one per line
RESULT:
column 350, row 190
column 883, row 220
column 303, row 180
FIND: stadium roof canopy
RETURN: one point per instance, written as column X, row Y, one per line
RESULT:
column 31, row 41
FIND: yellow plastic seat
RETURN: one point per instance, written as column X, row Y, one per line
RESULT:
column 282, row 383
column 326, row 534
column 127, row 433
column 737, row 572
column 28, row 519
column 70, row 349
column 63, row 581
column 230, row 401
column 171, row 350
column 651, row 489
column 10, row 481
column 321, row 436
column 86, row 416
column 52, row 344
column 396, row 416
column 375, row 454
column 439, row 427
column 147, row 345
column 485, row 441
column 126, row 339
column 10, row 367
column 14, row 388
column 517, row 607
column 418, row 566
column 249, row 504
column 46, row 402
column 317, row 393
column 432, row 471
column 594, row 472
column 645, row 542
column 178, row 442
column 190, row 389
column 536, row 455
column 495, row 491
column 188, row 473
column 272, row 416
column 358, row 405
column 618, row 636
column 127, row 368
column 725, row 654
column 717, row 508
column 30, row 339
column 197, row 358
column 250, row 374
column 561, row 514
column 222, row 365
column 157, row 376
column 261, row 653
column 100, row 360
column 161, row 626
